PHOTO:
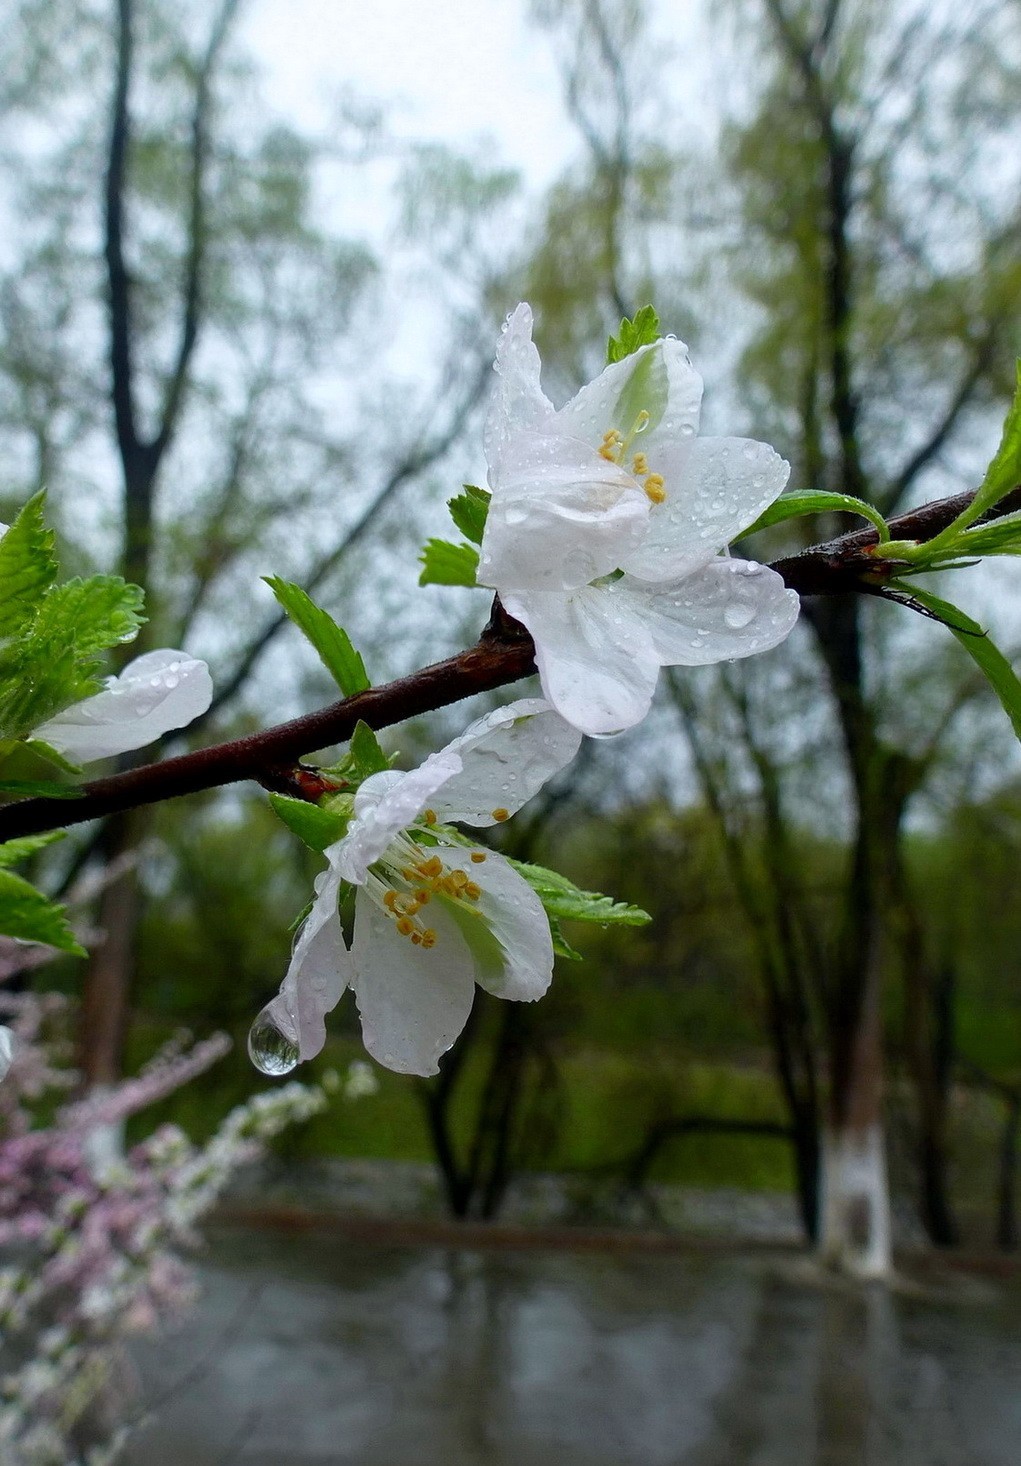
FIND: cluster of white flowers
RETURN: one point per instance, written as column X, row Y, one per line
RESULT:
column 606, row 536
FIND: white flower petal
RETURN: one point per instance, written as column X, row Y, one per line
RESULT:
column 596, row 660
column 560, row 515
column 384, row 805
column 726, row 609
column 715, row 488
column 659, row 379
column 156, row 692
column 6, row 1050
column 519, row 964
column 506, row 758
column 518, row 403
column 414, row 1001
column 319, row 971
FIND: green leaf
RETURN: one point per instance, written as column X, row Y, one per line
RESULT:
column 469, row 511
column 333, row 644
column 27, row 914
column 1004, row 473
column 11, row 851
column 38, row 789
column 369, row 758
column 984, row 652
column 27, row 567
column 816, row 501
column 312, row 823
column 999, row 537
column 95, row 614
column 566, row 901
column 447, row 564
column 561, row 946
column 642, row 331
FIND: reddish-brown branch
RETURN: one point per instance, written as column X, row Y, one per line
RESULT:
column 504, row 654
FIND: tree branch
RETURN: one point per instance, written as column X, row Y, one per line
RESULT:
column 122, row 385
column 503, row 654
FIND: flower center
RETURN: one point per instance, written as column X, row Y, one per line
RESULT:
column 407, row 877
column 615, row 448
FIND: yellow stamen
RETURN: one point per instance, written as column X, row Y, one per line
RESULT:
column 390, row 900
column 641, row 464
column 459, row 878
column 429, row 816
column 471, row 890
column 428, row 937
column 405, row 926
column 432, row 867
column 478, row 856
column 421, row 896
column 501, row 814
column 654, row 488
column 608, row 453
column 416, row 939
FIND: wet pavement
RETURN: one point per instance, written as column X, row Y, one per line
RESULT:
column 319, row 1349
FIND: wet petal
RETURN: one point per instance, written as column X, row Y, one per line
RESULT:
column 518, row 403
column 414, row 1001
column 560, row 515
column 658, row 379
column 506, row 757
column 155, row 693
column 715, row 488
column 384, row 805
column 726, row 609
column 595, row 657
column 319, row 971
column 513, row 951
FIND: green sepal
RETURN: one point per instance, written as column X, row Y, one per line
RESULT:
column 565, row 901
column 27, row 914
column 444, row 563
column 335, row 648
column 983, row 651
column 41, row 749
column 816, row 501
column 642, row 331
column 313, row 824
column 469, row 511
column 368, row 757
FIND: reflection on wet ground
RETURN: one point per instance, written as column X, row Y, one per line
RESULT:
column 314, row 1350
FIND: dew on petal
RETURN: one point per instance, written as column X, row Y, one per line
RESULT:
column 738, row 615
column 270, row 1049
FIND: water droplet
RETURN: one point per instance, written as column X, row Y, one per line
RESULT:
column 737, row 615
column 687, row 431
column 515, row 516
column 269, row 1048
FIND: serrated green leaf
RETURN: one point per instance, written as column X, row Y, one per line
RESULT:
column 11, row 851
column 315, row 826
column 566, row 901
column 369, row 758
column 27, row 567
column 469, row 511
column 561, row 946
column 38, row 789
column 983, row 651
column 642, row 331
column 27, row 914
column 816, row 501
column 332, row 643
column 444, row 563
column 94, row 614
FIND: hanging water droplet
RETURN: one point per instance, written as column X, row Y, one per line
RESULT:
column 269, row 1048
column 6, row 1050
column 737, row 615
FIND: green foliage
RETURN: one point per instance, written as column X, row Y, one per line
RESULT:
column 633, row 335
column 976, row 642
column 314, row 824
column 26, row 913
column 333, row 644
column 564, row 901
column 444, row 563
column 469, row 511
column 368, row 757
column 1004, row 473
column 816, row 501
column 53, row 634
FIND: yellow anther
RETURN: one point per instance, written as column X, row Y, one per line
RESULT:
column 641, row 464
column 612, row 435
column 654, row 488
column 458, row 878
column 608, row 452
column 431, row 868
column 405, row 926
column 390, row 900
column 429, row 816
column 412, row 908
column 416, row 939
column 428, row 937
column 478, row 856
column 421, row 896
column 471, row 890
column 501, row 814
